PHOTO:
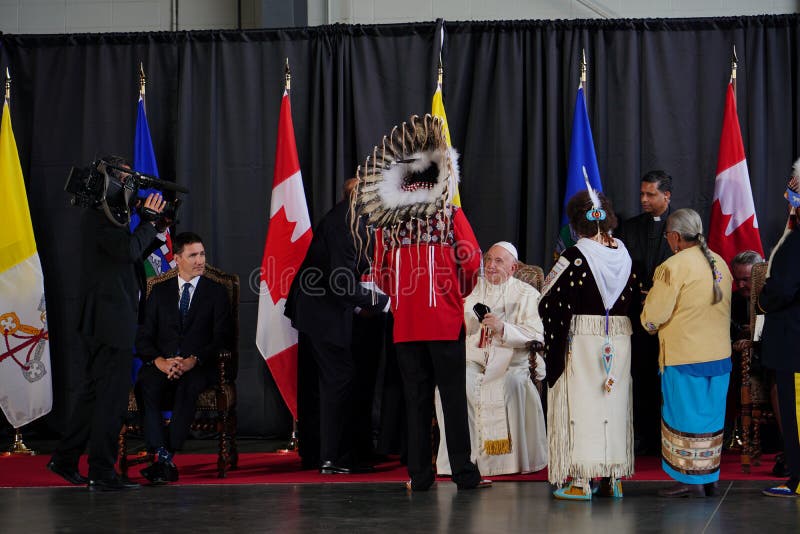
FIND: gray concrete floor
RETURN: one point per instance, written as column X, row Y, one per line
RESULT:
column 507, row 507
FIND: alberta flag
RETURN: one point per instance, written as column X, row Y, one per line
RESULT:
column 26, row 392
column 144, row 161
column 581, row 154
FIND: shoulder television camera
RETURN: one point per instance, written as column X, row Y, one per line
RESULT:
column 109, row 184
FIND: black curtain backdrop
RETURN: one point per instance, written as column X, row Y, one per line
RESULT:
column 655, row 98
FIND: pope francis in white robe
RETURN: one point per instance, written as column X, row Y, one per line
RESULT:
column 506, row 421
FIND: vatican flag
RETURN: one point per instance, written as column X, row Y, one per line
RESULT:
column 437, row 110
column 26, row 391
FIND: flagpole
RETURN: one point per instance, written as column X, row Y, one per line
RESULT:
column 294, row 442
column 142, row 80
column 584, row 67
column 734, row 65
column 18, row 448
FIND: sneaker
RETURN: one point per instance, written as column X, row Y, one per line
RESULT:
column 783, row 490
column 574, row 493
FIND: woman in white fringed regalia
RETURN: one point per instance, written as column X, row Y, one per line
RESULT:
column 587, row 303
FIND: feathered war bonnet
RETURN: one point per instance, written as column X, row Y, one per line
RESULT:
column 792, row 193
column 409, row 178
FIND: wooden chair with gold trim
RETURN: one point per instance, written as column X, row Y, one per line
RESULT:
column 756, row 408
column 533, row 275
column 216, row 406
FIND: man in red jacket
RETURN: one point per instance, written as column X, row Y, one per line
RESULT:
column 427, row 282
column 427, row 261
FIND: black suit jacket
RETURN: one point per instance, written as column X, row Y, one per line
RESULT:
column 326, row 289
column 634, row 233
column 780, row 300
column 206, row 329
column 112, row 278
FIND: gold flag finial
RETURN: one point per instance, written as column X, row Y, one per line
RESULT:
column 142, row 79
column 440, row 77
column 287, row 76
column 583, row 66
column 734, row 64
column 8, row 84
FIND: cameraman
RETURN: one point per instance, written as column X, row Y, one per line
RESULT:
column 112, row 284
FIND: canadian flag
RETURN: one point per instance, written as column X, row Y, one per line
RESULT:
column 288, row 238
column 733, row 227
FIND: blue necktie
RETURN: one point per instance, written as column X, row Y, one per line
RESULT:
column 183, row 306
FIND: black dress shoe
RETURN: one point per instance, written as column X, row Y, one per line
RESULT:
column 684, row 490
column 171, row 471
column 112, row 484
column 155, row 474
column 780, row 469
column 330, row 468
column 711, row 488
column 70, row 474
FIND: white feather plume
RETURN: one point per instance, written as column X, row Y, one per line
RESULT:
column 590, row 189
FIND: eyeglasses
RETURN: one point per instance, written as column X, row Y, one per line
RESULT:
column 669, row 232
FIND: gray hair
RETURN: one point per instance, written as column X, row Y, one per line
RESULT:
column 688, row 224
column 747, row 257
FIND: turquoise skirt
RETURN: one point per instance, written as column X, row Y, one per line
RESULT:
column 692, row 421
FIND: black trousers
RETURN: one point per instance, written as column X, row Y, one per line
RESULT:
column 788, row 384
column 158, row 393
column 646, row 392
column 99, row 411
column 366, row 347
column 337, row 377
column 307, row 403
column 424, row 365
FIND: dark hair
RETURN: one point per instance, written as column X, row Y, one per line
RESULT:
column 577, row 207
column 662, row 180
column 117, row 161
column 183, row 239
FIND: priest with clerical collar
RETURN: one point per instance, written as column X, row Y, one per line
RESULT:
column 643, row 235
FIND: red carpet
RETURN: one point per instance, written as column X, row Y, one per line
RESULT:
column 276, row 468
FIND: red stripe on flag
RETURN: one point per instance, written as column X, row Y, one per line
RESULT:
column 731, row 148
column 286, row 161
column 283, row 367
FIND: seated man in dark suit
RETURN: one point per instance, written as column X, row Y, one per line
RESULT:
column 185, row 325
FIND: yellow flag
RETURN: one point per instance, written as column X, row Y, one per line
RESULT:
column 26, row 391
column 16, row 239
column 437, row 110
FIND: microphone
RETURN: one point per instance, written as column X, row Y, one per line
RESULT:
column 147, row 181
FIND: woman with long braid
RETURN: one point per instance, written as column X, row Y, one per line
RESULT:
column 689, row 307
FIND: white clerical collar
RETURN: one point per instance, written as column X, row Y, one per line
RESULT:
column 657, row 218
